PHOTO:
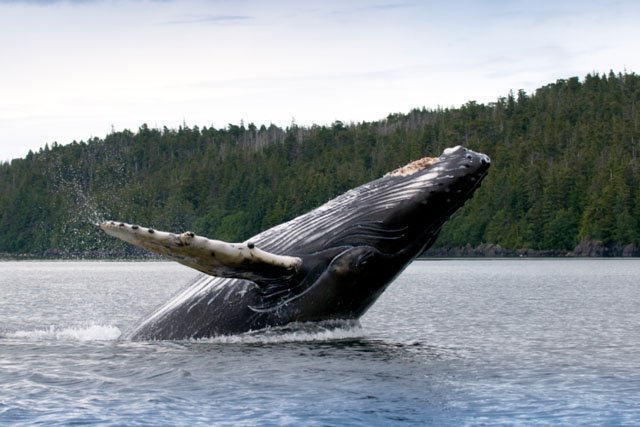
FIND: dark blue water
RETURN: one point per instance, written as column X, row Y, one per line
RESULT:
column 512, row 342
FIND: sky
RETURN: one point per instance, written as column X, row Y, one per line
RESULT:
column 77, row 69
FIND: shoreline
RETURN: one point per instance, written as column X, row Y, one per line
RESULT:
column 585, row 249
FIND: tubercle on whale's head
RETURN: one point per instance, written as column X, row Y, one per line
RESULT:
column 462, row 162
column 461, row 151
column 451, row 180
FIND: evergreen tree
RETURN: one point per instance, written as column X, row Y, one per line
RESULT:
column 565, row 168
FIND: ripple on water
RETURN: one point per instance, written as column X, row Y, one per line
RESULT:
column 450, row 343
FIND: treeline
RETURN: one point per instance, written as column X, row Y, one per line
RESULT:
column 564, row 170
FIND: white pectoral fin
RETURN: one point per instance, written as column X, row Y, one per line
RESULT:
column 214, row 257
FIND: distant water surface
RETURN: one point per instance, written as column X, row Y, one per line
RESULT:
column 451, row 342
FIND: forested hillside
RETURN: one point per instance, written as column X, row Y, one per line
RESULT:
column 564, row 170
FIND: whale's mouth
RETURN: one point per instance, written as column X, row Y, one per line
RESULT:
column 414, row 167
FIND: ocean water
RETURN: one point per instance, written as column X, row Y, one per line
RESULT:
column 451, row 342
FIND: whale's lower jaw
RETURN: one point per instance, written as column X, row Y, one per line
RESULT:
column 331, row 263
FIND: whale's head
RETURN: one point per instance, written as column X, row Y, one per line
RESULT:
column 400, row 213
column 353, row 246
column 424, row 194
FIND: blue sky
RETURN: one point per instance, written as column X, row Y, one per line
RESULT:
column 75, row 69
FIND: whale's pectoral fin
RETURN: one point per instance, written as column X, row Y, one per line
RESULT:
column 214, row 257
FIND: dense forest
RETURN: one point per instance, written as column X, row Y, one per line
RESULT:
column 564, row 174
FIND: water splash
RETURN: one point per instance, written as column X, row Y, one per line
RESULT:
column 78, row 190
column 79, row 333
column 334, row 330
column 76, row 232
column 329, row 331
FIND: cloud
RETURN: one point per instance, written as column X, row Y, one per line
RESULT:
column 382, row 7
column 391, row 6
column 46, row 2
column 383, row 75
column 53, row 2
column 210, row 19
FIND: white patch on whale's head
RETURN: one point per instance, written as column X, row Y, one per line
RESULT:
column 414, row 167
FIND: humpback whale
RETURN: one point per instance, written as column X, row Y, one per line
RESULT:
column 330, row 263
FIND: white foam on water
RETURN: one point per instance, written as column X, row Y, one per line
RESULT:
column 298, row 332
column 79, row 333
